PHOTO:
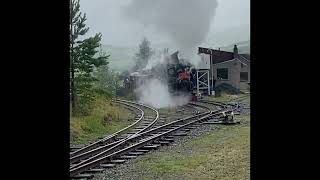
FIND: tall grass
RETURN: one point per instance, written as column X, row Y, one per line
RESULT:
column 105, row 118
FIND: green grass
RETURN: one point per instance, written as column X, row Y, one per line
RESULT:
column 229, row 97
column 221, row 154
column 106, row 118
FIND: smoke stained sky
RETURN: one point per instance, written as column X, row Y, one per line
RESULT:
column 106, row 16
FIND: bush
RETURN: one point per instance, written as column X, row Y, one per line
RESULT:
column 226, row 88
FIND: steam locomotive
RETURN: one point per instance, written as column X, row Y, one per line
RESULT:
column 181, row 75
column 177, row 73
column 179, row 78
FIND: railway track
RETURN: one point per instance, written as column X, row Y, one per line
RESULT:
column 240, row 98
column 107, row 144
column 149, row 137
column 139, row 117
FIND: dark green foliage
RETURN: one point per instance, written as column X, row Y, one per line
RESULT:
column 107, row 81
column 226, row 88
column 84, row 59
column 144, row 54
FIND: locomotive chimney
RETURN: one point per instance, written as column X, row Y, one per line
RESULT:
column 235, row 51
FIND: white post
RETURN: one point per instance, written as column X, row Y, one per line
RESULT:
column 208, row 82
column 197, row 83
column 211, row 68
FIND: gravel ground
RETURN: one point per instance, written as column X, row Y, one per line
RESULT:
column 128, row 171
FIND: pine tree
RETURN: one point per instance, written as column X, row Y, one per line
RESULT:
column 82, row 56
column 107, row 80
column 144, row 54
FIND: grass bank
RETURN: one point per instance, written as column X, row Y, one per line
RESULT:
column 106, row 118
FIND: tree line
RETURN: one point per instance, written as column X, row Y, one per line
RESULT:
column 90, row 74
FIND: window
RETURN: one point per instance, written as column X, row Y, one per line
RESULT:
column 222, row 73
column 243, row 76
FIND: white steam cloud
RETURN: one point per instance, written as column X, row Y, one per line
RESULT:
column 185, row 22
column 155, row 60
column 156, row 94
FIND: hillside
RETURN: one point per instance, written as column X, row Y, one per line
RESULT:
column 121, row 58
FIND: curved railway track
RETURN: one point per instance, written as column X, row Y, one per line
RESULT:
column 109, row 143
column 151, row 136
column 111, row 137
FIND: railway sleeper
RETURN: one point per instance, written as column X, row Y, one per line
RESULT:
column 72, row 165
column 148, row 120
column 189, row 128
column 180, row 134
column 169, row 128
column 135, row 153
column 137, row 130
column 122, row 137
column 75, row 148
column 154, row 127
column 118, row 161
column 148, row 117
column 130, row 133
column 72, row 150
column 142, row 150
column 94, row 170
column 128, row 157
column 185, row 129
column 210, row 122
column 150, row 147
column 175, row 126
column 145, row 124
column 162, row 142
column 168, row 139
column 195, row 126
column 82, row 176
column 155, row 134
column 107, row 165
column 84, row 159
column 159, row 124
column 180, row 131
column 140, row 128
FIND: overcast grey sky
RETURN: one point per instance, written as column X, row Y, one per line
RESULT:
column 106, row 16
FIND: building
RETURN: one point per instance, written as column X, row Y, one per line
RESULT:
column 228, row 67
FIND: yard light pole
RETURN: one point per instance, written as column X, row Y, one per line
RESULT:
column 211, row 67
